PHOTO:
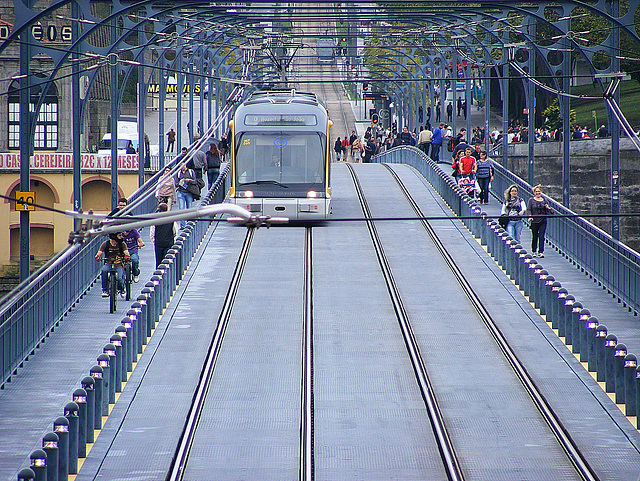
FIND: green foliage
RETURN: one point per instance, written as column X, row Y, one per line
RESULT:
column 553, row 117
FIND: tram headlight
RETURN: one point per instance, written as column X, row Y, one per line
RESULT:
column 248, row 194
column 312, row 194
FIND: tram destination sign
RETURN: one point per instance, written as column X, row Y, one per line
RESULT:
column 375, row 96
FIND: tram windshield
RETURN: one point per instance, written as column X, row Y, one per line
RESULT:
column 280, row 159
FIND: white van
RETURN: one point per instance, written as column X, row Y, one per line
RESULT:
column 127, row 132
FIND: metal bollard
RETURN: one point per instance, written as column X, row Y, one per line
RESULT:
column 504, row 239
column 544, row 287
column 601, row 335
column 127, row 363
column 39, row 464
column 26, row 474
column 50, row 446
column 147, row 311
column 551, row 298
column 538, row 289
column 88, row 384
column 610, row 343
column 557, row 307
column 143, row 316
column 585, row 314
column 117, row 361
column 630, row 365
column 61, row 428
column 71, row 413
column 530, row 265
column 80, row 398
column 511, row 258
column 109, row 378
column 485, row 229
column 618, row 366
column 152, row 303
column 521, row 267
column 140, row 330
column 564, row 326
column 591, row 331
column 102, row 395
column 575, row 327
column 159, row 289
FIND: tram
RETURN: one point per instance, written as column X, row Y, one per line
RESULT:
column 280, row 155
column 326, row 50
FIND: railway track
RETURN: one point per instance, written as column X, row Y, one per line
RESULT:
column 311, row 457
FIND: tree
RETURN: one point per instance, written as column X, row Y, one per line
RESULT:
column 553, row 117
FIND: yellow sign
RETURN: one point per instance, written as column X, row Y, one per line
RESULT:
column 22, row 197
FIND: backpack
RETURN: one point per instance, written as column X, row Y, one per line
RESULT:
column 450, row 145
column 213, row 162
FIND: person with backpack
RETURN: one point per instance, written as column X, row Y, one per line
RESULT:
column 337, row 147
column 513, row 207
column 213, row 164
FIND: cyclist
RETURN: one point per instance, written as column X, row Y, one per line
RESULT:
column 134, row 242
column 115, row 253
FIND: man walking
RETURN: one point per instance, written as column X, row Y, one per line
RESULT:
column 171, row 139
column 436, row 143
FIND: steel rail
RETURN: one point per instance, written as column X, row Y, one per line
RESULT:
column 181, row 455
column 443, row 440
column 307, row 470
column 563, row 437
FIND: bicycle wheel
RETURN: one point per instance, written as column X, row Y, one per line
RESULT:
column 127, row 280
column 113, row 291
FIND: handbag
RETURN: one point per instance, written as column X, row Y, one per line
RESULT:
column 503, row 220
column 194, row 190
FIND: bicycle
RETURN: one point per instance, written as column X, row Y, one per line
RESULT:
column 112, row 283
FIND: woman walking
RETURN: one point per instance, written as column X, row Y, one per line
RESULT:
column 538, row 210
column 514, row 207
column 484, row 175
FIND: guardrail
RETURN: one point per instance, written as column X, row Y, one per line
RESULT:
column 614, row 265
column 36, row 306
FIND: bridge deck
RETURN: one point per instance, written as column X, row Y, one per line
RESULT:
column 138, row 435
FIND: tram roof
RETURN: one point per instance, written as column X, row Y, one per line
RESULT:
column 283, row 96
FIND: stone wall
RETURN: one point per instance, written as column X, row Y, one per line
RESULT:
column 590, row 178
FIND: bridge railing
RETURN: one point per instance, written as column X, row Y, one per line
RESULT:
column 614, row 265
column 37, row 305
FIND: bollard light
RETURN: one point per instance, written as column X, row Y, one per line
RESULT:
column 592, row 325
column 585, row 314
column 620, row 353
column 61, row 428
column 26, row 474
column 601, row 335
column 119, row 362
column 71, row 413
column 39, row 464
column 88, row 384
column 630, row 365
column 564, row 327
column 575, row 327
column 102, row 393
column 610, row 343
column 80, row 398
column 50, row 446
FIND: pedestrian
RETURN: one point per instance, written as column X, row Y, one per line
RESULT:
column 405, row 136
column 213, row 164
column 514, row 207
column 436, row 143
column 424, row 139
column 198, row 163
column 459, row 105
column 134, row 242
column 223, row 147
column 166, row 190
column 185, row 179
column 538, row 210
column 484, row 175
column 162, row 236
column 130, row 148
column 171, row 139
column 468, row 165
column 337, row 147
column 449, row 112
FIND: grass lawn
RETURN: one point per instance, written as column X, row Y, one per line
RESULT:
column 629, row 102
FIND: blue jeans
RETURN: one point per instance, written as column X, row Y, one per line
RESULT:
column 105, row 276
column 514, row 228
column 212, row 175
column 185, row 201
column 435, row 152
column 483, row 182
column 135, row 264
